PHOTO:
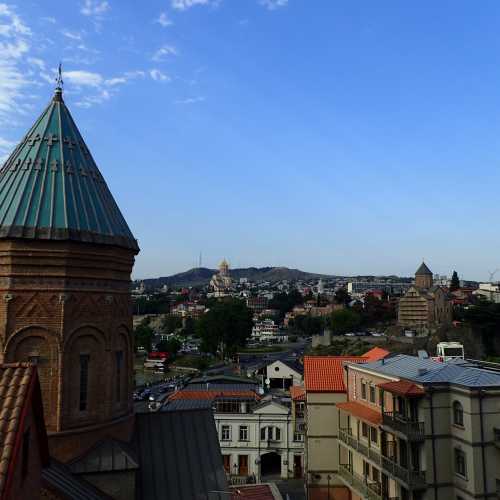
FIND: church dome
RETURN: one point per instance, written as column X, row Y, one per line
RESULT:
column 51, row 188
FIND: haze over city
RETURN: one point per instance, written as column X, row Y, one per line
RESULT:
column 338, row 138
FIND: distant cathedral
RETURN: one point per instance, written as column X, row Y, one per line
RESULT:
column 66, row 258
column 221, row 282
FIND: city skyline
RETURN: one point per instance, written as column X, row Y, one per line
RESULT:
column 337, row 139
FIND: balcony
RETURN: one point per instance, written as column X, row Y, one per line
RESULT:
column 413, row 479
column 367, row 489
column 412, row 430
column 496, row 437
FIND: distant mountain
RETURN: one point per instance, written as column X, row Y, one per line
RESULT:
column 200, row 276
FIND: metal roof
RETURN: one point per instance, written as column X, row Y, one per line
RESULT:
column 51, row 188
column 180, row 456
column 423, row 270
column 57, row 477
column 106, row 456
column 221, row 387
column 427, row 371
column 188, row 404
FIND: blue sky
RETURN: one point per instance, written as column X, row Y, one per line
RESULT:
column 340, row 137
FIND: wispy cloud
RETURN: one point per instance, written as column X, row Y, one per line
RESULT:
column 164, row 20
column 49, row 19
column 163, row 52
column 273, row 4
column 190, row 100
column 159, row 76
column 187, row 4
column 15, row 80
column 94, row 8
column 72, row 35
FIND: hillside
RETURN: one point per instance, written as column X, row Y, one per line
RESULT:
column 200, row 276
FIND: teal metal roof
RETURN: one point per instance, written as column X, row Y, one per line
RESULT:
column 51, row 188
column 423, row 270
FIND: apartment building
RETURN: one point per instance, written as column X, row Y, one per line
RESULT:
column 417, row 429
column 325, row 389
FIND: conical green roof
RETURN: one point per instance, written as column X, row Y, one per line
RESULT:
column 51, row 188
column 423, row 270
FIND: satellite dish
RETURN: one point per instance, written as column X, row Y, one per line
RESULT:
column 268, row 381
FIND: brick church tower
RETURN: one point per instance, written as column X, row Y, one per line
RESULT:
column 66, row 255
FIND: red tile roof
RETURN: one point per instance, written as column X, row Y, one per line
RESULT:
column 211, row 394
column 19, row 388
column 257, row 492
column 375, row 354
column 361, row 411
column 402, row 388
column 298, row 393
column 326, row 373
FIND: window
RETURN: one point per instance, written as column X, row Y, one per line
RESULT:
column 364, row 429
column 363, row 390
column 375, row 475
column 270, row 433
column 84, row 380
column 118, row 375
column 380, row 397
column 460, row 463
column 226, row 433
column 277, row 434
column 366, row 469
column 373, row 435
column 226, row 460
column 458, row 414
column 25, row 453
column 298, row 437
column 372, row 394
column 263, row 434
column 243, row 432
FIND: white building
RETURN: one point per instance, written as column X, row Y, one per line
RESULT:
column 283, row 374
column 261, row 442
column 489, row 291
column 256, row 434
column 267, row 331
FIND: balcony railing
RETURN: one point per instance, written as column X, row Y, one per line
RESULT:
column 413, row 430
column 368, row 489
column 414, row 479
column 496, row 437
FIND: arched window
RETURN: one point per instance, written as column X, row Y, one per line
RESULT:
column 458, row 414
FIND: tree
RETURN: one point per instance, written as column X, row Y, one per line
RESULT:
column 285, row 302
column 171, row 346
column 455, row 282
column 143, row 336
column 189, row 327
column 171, row 323
column 342, row 296
column 225, row 327
column 306, row 325
column 344, row 321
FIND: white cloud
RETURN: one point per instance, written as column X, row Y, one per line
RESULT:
column 163, row 52
column 163, row 20
column 190, row 100
column 187, row 4
column 82, row 78
column 94, row 8
column 72, row 35
column 35, row 61
column 273, row 4
column 15, row 38
column 159, row 76
column 49, row 19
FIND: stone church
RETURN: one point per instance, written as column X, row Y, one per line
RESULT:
column 424, row 306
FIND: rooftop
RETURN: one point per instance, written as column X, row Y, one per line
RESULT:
column 361, row 411
column 325, row 373
column 375, row 354
column 51, row 188
column 423, row 270
column 427, row 371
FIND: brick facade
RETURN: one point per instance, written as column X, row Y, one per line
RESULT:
column 60, row 301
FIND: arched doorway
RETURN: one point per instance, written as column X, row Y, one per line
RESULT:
column 270, row 464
